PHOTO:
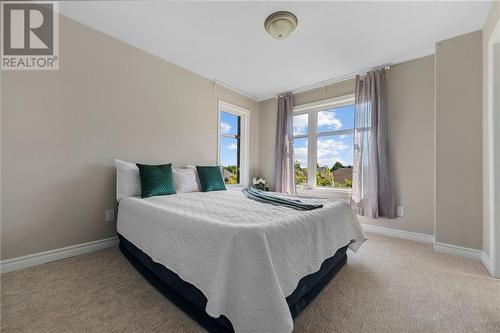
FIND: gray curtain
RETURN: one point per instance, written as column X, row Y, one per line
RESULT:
column 372, row 191
column 285, row 177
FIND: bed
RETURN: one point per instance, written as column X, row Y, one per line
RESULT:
column 236, row 264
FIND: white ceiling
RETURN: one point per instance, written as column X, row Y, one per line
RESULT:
column 226, row 41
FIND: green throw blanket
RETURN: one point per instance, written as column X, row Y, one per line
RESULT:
column 267, row 197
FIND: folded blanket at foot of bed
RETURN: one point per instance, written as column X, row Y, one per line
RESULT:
column 274, row 199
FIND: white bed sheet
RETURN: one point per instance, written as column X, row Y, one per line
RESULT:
column 245, row 256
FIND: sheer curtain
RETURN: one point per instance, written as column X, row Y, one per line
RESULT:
column 372, row 192
column 285, row 178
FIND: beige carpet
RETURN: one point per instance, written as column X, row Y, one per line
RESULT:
column 391, row 285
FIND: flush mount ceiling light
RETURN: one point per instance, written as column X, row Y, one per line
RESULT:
column 280, row 24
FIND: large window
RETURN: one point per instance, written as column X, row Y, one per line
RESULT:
column 323, row 143
column 232, row 152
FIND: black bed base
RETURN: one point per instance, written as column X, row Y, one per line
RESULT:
column 192, row 301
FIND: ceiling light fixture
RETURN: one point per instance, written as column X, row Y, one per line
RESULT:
column 281, row 24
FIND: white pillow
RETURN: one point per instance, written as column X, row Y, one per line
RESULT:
column 128, row 183
column 185, row 180
column 193, row 167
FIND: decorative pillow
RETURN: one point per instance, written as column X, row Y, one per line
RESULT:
column 185, row 180
column 128, row 183
column 156, row 180
column 193, row 167
column 210, row 178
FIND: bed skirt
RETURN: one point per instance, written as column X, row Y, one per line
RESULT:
column 193, row 302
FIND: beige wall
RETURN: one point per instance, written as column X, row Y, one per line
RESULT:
column 488, row 29
column 411, row 135
column 268, row 118
column 410, row 111
column 61, row 131
column 330, row 91
column 458, row 141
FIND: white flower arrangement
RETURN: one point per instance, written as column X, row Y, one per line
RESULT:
column 260, row 183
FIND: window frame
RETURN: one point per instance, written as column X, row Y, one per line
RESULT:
column 312, row 135
column 243, row 146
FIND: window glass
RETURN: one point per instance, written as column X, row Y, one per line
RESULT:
column 229, row 159
column 229, row 123
column 336, row 119
column 334, row 160
column 300, row 124
column 333, row 134
column 300, row 160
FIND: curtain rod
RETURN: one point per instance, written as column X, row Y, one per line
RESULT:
column 344, row 77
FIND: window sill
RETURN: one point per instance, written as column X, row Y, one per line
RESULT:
column 324, row 192
column 235, row 186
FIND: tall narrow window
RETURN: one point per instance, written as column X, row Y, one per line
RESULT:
column 323, row 143
column 233, row 143
column 230, row 129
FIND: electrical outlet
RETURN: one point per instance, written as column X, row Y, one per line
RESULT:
column 400, row 211
column 110, row 215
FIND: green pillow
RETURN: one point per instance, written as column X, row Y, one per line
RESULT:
column 156, row 180
column 210, row 178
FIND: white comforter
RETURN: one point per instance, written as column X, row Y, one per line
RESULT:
column 245, row 256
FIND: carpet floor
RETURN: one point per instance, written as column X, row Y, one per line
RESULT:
column 390, row 285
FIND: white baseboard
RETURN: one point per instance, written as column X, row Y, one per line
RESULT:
column 413, row 236
column 486, row 260
column 437, row 247
column 57, row 254
column 74, row 250
column 457, row 250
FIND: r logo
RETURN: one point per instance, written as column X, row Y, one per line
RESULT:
column 28, row 29
column 30, row 35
